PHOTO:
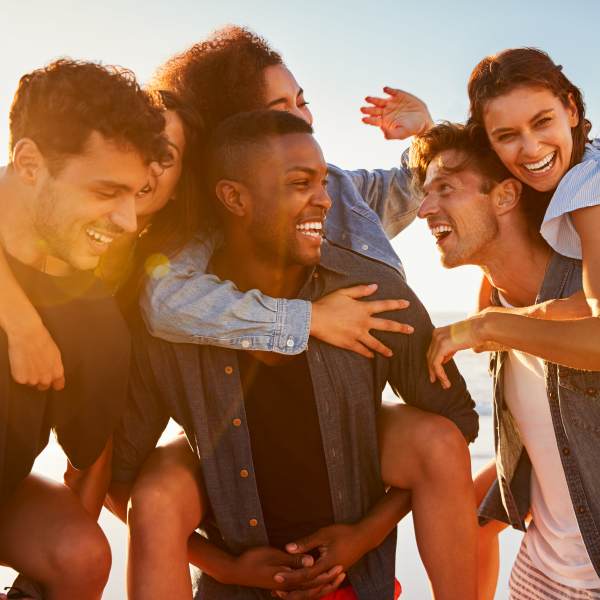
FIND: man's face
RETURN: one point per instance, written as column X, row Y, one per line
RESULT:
column 90, row 202
column 459, row 214
column 288, row 200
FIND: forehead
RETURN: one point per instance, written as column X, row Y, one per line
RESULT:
column 278, row 82
column 437, row 170
column 297, row 150
column 106, row 160
column 520, row 104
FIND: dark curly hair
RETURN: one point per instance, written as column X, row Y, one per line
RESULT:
column 501, row 73
column 59, row 105
column 220, row 76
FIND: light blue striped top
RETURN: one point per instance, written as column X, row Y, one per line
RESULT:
column 579, row 188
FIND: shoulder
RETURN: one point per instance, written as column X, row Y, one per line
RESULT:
column 580, row 187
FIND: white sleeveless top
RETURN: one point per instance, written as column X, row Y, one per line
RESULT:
column 579, row 188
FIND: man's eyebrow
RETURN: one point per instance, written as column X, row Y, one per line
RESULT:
column 308, row 170
column 284, row 99
column 534, row 118
column 112, row 184
column 435, row 180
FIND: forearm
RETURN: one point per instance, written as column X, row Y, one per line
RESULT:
column 376, row 525
column 574, row 343
column 559, row 309
column 211, row 559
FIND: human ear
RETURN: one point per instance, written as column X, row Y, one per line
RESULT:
column 572, row 111
column 232, row 196
column 27, row 161
column 507, row 195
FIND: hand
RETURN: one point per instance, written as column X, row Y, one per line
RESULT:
column 342, row 320
column 340, row 544
column 260, row 567
column 399, row 116
column 447, row 341
column 34, row 358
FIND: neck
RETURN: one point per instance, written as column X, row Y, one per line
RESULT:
column 515, row 264
column 18, row 235
column 249, row 268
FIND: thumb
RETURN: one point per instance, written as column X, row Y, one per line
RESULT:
column 305, row 544
column 359, row 291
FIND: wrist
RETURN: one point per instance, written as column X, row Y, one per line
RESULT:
column 224, row 570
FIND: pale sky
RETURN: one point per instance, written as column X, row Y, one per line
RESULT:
column 339, row 52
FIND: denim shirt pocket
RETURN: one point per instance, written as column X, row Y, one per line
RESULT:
column 364, row 211
column 580, row 397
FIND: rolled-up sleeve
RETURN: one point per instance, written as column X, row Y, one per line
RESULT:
column 388, row 193
column 182, row 303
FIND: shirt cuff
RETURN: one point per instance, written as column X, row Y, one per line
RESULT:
column 292, row 326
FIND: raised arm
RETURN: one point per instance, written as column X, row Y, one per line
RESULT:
column 182, row 303
column 34, row 357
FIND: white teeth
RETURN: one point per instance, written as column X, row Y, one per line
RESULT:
column 541, row 165
column 438, row 230
column 311, row 229
column 99, row 237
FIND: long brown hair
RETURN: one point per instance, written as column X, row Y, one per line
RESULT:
column 501, row 73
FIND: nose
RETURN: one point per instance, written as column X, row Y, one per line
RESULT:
column 124, row 215
column 428, row 207
column 530, row 145
column 322, row 200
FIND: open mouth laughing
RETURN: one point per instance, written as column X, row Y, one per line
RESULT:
column 543, row 165
column 311, row 229
column 100, row 240
column 440, row 232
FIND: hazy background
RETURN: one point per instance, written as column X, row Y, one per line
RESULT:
column 340, row 52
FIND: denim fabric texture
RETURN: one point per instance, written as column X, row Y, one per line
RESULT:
column 574, row 398
column 199, row 386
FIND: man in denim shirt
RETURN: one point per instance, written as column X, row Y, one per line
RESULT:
column 279, row 232
column 546, row 415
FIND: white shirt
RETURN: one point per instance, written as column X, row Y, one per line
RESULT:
column 553, row 539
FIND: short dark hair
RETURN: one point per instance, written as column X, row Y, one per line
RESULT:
column 468, row 140
column 59, row 105
column 237, row 139
column 220, row 76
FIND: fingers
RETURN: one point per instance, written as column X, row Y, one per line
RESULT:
column 393, row 326
column 360, row 349
column 375, row 121
column 379, row 102
column 305, row 544
column 359, row 291
column 59, row 383
column 308, row 579
column 435, row 360
column 329, row 589
column 372, row 343
column 380, row 306
column 373, row 111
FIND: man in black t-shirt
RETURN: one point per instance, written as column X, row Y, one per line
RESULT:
column 82, row 138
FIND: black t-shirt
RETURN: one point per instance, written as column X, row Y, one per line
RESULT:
column 287, row 449
column 86, row 325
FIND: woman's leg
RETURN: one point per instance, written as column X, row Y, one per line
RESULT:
column 427, row 454
column 488, row 544
column 166, row 506
column 46, row 534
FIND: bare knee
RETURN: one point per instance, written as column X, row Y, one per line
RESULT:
column 441, row 448
column 80, row 557
column 165, row 499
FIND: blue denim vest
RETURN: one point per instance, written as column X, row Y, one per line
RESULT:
column 574, row 398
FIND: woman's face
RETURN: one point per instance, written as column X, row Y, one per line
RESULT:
column 164, row 179
column 530, row 130
column 282, row 92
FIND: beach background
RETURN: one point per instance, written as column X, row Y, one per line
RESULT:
column 409, row 568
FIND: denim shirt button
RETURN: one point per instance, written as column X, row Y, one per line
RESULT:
column 245, row 343
column 244, row 473
column 253, row 522
column 566, row 451
column 236, row 422
column 591, row 391
column 290, row 343
column 365, row 247
column 581, row 509
column 228, row 370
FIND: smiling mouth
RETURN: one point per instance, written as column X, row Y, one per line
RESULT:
column 99, row 237
column 542, row 166
column 311, row 229
column 441, row 232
